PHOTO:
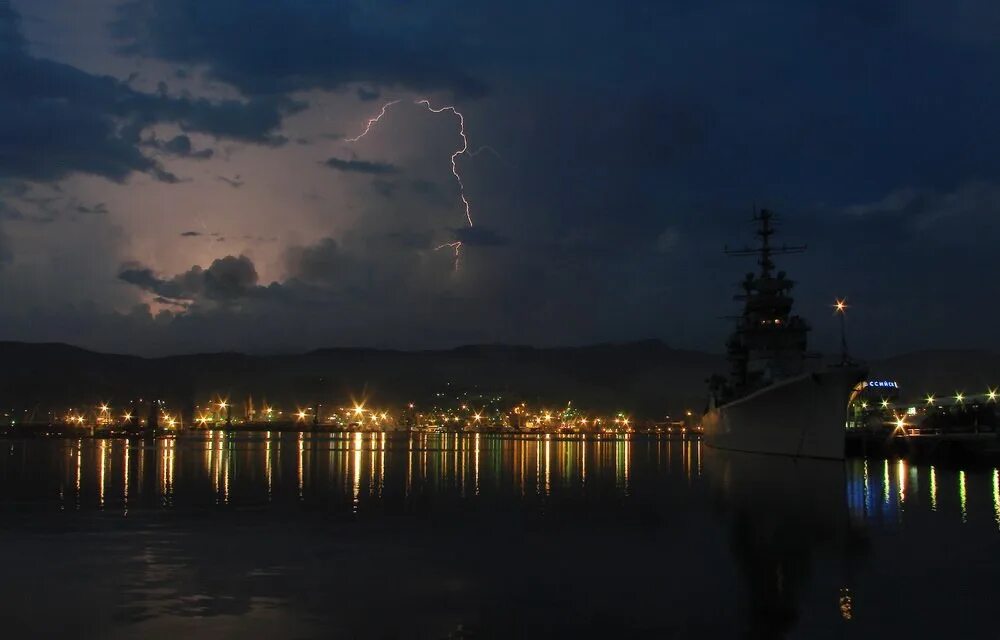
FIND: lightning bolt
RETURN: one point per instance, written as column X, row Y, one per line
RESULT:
column 485, row 147
column 463, row 149
column 457, row 246
column 372, row 121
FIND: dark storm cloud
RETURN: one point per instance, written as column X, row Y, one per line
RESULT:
column 179, row 146
column 283, row 47
column 227, row 280
column 361, row 166
column 56, row 119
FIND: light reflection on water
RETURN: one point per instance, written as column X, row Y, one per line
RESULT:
column 506, row 535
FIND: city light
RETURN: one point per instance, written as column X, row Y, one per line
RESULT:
column 840, row 306
column 483, row 413
column 959, row 397
column 991, row 395
column 930, row 398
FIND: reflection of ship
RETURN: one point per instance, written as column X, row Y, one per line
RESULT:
column 790, row 534
column 770, row 403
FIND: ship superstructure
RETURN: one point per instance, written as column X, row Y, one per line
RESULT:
column 770, row 401
column 769, row 343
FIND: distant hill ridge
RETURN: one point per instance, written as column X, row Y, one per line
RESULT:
column 647, row 378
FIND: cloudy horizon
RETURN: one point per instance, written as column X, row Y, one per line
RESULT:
column 179, row 176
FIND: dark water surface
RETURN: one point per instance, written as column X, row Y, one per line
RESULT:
column 479, row 536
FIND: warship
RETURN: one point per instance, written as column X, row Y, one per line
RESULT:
column 777, row 398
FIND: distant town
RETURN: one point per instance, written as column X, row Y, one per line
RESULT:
column 465, row 411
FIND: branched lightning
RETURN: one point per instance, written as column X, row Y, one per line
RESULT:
column 463, row 149
column 457, row 246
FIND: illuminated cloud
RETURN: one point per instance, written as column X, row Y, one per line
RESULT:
column 56, row 120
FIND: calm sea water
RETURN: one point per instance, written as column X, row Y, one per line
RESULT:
column 477, row 536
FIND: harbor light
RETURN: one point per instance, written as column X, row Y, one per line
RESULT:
column 991, row 395
column 301, row 415
column 959, row 397
column 930, row 398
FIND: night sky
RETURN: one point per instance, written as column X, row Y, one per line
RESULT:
column 174, row 174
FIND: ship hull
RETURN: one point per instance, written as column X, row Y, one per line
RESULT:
column 803, row 416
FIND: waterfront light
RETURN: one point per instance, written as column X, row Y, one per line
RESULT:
column 959, row 397
column 301, row 415
column 991, row 395
column 127, row 417
column 840, row 306
column 930, row 398
column 900, row 423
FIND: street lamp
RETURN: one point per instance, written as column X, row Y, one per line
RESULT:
column 840, row 308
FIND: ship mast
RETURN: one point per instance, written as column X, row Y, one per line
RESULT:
column 765, row 250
